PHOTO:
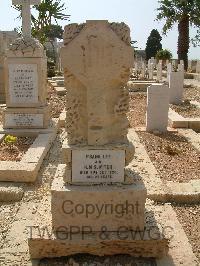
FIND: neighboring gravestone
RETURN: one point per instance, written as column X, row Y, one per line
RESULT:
column 176, row 82
column 159, row 71
column 151, row 69
column 26, row 72
column 2, row 86
column 157, row 108
column 198, row 66
column 143, row 70
column 169, row 70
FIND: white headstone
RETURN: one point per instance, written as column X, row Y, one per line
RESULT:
column 157, row 107
column 169, row 70
column 151, row 69
column 159, row 72
column 176, row 82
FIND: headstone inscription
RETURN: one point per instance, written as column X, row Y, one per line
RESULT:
column 26, row 72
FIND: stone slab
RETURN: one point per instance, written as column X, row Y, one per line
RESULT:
column 97, row 206
column 44, row 246
column 25, row 82
column 10, row 193
column 178, row 121
column 99, row 166
column 139, row 86
column 61, row 91
column 57, row 78
column 26, row 117
column 27, row 169
column 62, row 119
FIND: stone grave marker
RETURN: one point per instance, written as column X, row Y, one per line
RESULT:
column 157, row 108
column 169, row 70
column 98, row 152
column 176, row 83
column 159, row 71
column 26, row 72
column 151, row 69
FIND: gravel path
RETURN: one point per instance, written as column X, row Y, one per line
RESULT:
column 174, row 158
column 189, row 217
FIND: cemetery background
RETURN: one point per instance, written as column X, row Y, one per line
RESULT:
column 167, row 151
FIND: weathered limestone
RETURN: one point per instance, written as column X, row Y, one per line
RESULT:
column 95, row 174
column 25, row 73
column 151, row 69
column 79, row 206
column 169, row 70
column 95, row 76
column 176, row 82
column 157, row 108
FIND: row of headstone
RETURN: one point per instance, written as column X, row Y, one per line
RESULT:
column 194, row 66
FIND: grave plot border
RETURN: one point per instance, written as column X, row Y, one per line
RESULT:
column 27, row 169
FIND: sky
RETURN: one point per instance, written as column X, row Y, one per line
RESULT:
column 138, row 14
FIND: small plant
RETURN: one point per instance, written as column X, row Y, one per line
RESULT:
column 172, row 150
column 164, row 55
column 10, row 141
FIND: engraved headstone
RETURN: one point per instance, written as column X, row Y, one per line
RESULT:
column 26, row 73
column 23, row 83
column 97, row 59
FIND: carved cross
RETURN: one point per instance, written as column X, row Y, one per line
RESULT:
column 26, row 14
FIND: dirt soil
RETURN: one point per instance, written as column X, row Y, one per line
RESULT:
column 189, row 217
column 137, row 113
column 17, row 150
column 186, row 109
column 192, row 94
column 174, row 158
column 56, row 102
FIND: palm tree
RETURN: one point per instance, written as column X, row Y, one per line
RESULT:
column 186, row 14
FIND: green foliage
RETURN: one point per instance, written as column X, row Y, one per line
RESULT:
column 10, row 141
column 153, row 44
column 45, row 22
column 172, row 11
column 164, row 55
column 185, row 13
column 196, row 39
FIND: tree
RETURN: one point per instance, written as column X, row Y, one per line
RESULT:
column 196, row 39
column 164, row 55
column 153, row 44
column 185, row 13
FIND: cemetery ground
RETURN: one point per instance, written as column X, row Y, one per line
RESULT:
column 173, row 156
